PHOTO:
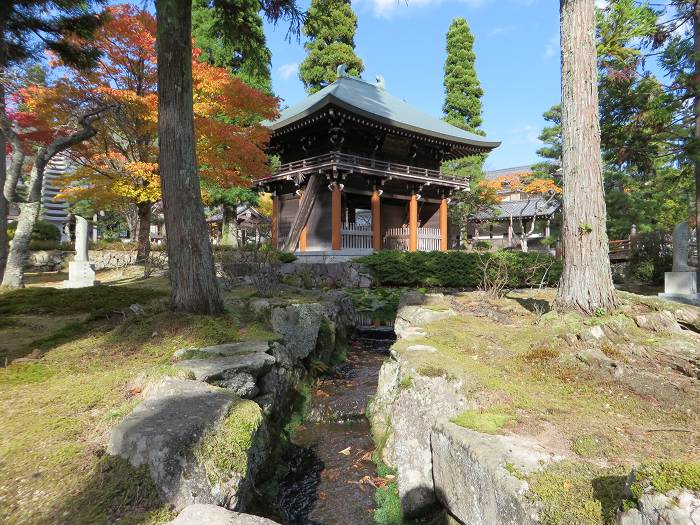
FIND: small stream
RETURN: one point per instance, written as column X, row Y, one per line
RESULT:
column 330, row 461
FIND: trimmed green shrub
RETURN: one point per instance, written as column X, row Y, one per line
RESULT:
column 286, row 257
column 461, row 269
column 43, row 231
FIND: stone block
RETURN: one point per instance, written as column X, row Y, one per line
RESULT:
column 681, row 283
column 212, row 515
column 81, row 274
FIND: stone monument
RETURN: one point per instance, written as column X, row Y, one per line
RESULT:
column 80, row 272
column 681, row 284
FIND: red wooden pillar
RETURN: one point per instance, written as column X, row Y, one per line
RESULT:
column 303, row 236
column 376, row 221
column 336, row 218
column 274, row 226
column 413, row 224
column 443, row 225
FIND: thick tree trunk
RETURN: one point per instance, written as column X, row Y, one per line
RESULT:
column 696, row 87
column 194, row 287
column 4, row 207
column 586, row 283
column 143, row 231
column 14, row 268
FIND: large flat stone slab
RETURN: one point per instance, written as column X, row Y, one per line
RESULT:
column 163, row 432
column 213, row 515
column 471, row 480
column 222, row 368
column 228, row 349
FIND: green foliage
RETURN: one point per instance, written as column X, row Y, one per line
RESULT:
column 483, row 245
column 330, row 26
column 651, row 257
column 43, row 231
column 488, row 421
column 459, row 269
column 664, row 476
column 286, row 257
column 230, row 34
column 462, row 107
column 380, row 303
column 388, row 510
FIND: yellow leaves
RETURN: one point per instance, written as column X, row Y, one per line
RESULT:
column 519, row 182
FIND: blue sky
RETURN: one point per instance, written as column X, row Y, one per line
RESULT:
column 517, row 49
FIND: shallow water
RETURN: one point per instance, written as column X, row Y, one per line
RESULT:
column 331, row 470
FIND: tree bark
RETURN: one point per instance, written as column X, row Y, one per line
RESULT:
column 696, row 88
column 143, row 231
column 4, row 207
column 586, row 284
column 29, row 209
column 194, row 287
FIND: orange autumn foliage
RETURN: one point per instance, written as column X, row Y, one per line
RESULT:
column 519, row 182
column 120, row 165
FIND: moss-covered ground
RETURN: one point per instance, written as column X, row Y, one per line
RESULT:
column 515, row 358
column 77, row 362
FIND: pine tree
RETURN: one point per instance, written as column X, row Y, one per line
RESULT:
column 330, row 26
column 235, row 41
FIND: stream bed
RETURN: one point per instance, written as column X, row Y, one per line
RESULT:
column 330, row 469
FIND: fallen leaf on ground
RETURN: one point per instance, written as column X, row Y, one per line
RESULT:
column 345, row 451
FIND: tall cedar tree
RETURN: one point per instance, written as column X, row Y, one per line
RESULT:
column 330, row 26
column 586, row 284
column 238, row 45
column 194, row 287
column 26, row 30
column 462, row 108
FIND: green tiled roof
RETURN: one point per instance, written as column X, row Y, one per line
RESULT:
column 374, row 102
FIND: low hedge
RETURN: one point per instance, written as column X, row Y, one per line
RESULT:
column 461, row 269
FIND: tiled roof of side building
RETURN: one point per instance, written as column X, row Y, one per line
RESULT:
column 518, row 170
column 522, row 208
column 374, row 102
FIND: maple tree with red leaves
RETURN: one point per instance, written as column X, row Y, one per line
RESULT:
column 118, row 169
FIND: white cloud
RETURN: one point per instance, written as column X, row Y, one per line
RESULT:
column 287, row 70
column 601, row 4
column 527, row 134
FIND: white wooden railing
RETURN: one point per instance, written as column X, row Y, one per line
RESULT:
column 428, row 239
column 397, row 239
column 356, row 236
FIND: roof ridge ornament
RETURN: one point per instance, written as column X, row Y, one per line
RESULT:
column 342, row 71
column 379, row 81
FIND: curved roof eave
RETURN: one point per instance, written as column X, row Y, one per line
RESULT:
column 329, row 98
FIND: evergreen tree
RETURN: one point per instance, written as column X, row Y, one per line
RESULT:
column 549, row 168
column 330, row 26
column 235, row 41
column 462, row 107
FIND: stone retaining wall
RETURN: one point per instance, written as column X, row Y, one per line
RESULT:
column 227, row 394
column 56, row 260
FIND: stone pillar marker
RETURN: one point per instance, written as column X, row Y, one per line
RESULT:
column 80, row 272
column 681, row 284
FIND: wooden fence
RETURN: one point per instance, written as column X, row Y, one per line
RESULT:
column 356, row 236
column 397, row 239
